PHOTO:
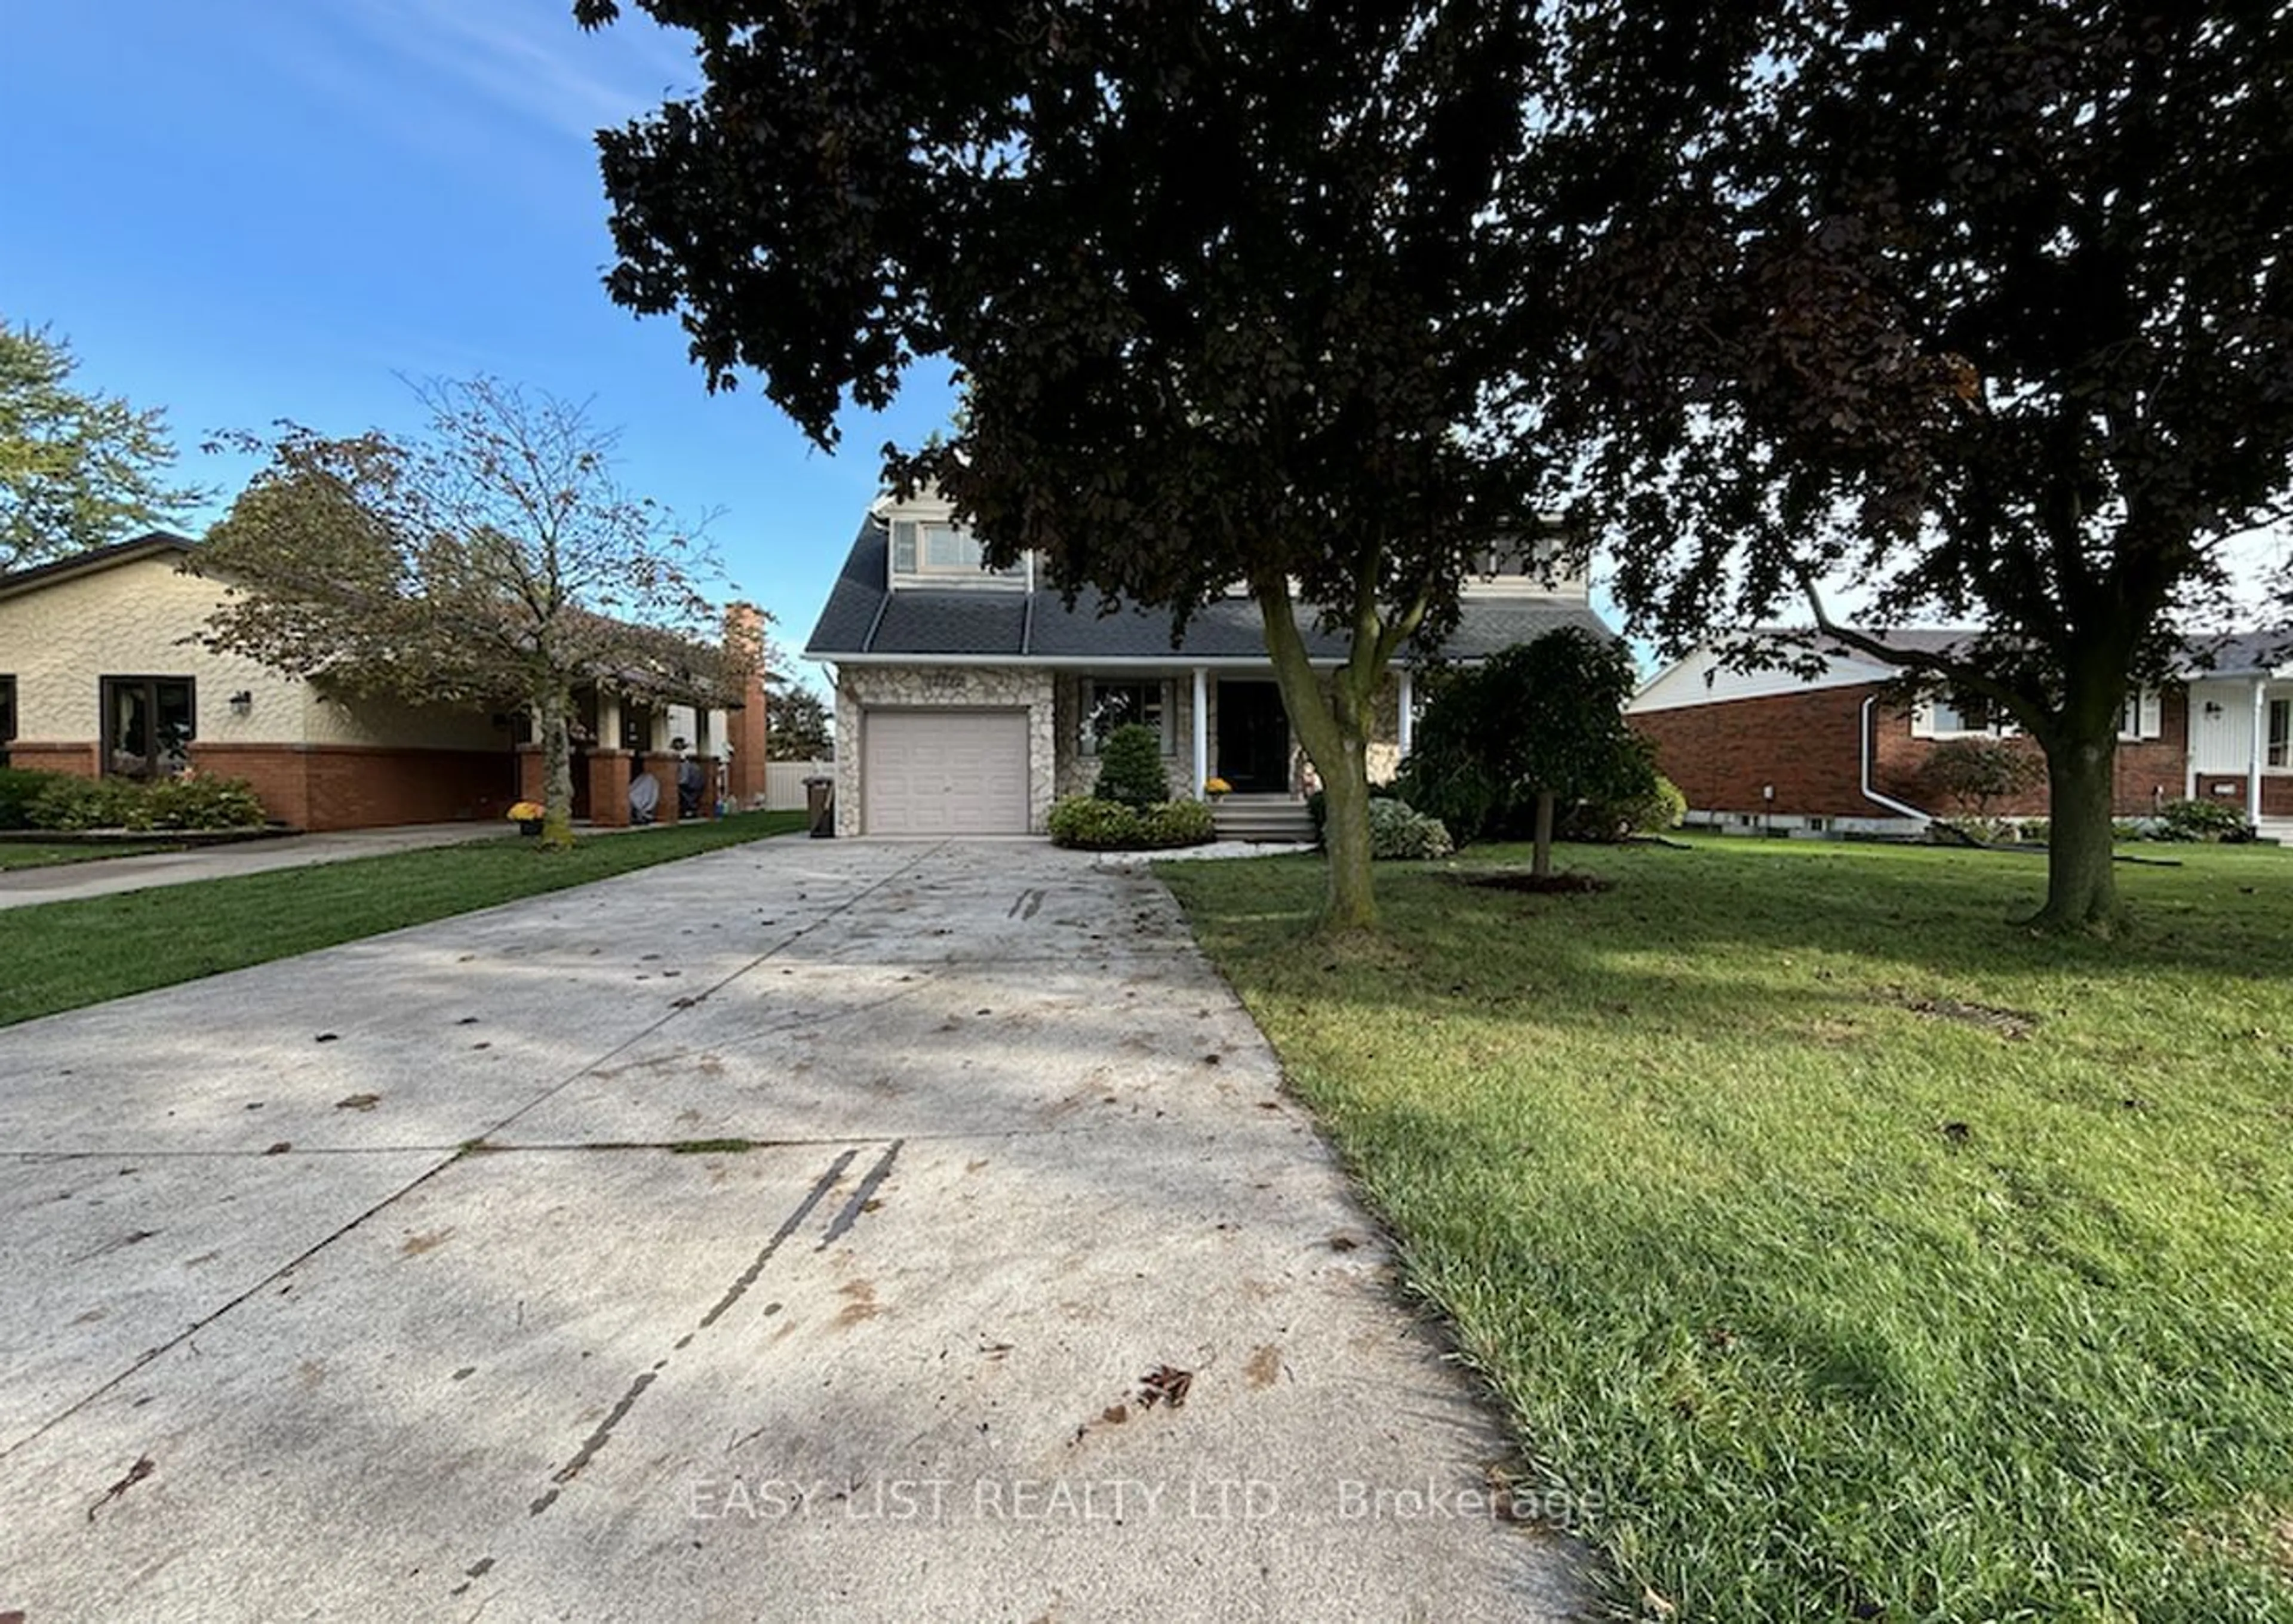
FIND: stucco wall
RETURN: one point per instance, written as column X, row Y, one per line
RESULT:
column 955, row 687
column 145, row 617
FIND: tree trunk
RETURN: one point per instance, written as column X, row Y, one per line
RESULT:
column 1541, row 864
column 550, row 715
column 1333, row 729
column 2081, row 878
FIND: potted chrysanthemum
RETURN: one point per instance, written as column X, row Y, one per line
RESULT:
column 527, row 816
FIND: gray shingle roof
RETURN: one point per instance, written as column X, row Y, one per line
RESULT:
column 863, row 618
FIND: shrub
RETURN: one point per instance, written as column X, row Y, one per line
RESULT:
column 1131, row 767
column 2188, row 820
column 195, row 801
column 2033, row 831
column 1176, row 823
column 70, row 804
column 1317, row 804
column 1093, row 824
column 1974, row 772
column 20, row 787
column 191, row 802
column 1396, row 830
column 1656, row 804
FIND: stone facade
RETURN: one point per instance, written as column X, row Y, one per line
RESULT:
column 861, row 688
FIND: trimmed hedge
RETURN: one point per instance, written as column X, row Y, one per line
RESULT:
column 1094, row 825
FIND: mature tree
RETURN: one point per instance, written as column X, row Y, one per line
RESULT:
column 1231, row 287
column 497, row 560
column 1538, row 726
column 1984, row 305
column 76, row 469
column 802, row 727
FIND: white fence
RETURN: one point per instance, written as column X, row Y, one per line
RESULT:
column 785, row 782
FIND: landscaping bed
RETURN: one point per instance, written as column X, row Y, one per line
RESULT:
column 1838, row 1250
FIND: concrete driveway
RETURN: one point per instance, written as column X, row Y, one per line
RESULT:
column 428, row 1277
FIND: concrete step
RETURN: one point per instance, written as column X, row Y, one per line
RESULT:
column 2279, row 829
column 1266, row 818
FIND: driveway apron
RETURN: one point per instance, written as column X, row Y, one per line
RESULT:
column 805, row 1230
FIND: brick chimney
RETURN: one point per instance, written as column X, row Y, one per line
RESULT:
column 748, row 641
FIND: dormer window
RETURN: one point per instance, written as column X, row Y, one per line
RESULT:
column 929, row 546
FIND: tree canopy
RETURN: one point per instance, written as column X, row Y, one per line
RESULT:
column 494, row 560
column 801, row 727
column 1239, row 295
column 1985, row 307
column 77, row 469
column 1539, row 724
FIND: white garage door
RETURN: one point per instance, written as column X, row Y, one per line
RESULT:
column 944, row 773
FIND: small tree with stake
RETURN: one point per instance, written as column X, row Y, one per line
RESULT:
column 1534, row 725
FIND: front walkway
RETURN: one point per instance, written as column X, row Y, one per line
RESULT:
column 804, row 1230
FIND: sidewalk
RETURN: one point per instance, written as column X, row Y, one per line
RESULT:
column 70, row 882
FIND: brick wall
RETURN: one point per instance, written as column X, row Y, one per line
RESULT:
column 337, row 786
column 2229, row 789
column 1806, row 744
column 79, row 760
column 1803, row 744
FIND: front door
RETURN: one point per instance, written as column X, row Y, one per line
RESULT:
column 1254, row 738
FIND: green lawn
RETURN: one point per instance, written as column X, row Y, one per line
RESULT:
column 1838, row 1250
column 36, row 854
column 64, row 955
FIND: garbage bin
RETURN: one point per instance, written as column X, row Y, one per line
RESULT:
column 820, row 807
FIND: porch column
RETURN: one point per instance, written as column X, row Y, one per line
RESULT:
column 608, row 767
column 1202, row 720
column 661, row 761
column 2260, row 751
column 1405, row 723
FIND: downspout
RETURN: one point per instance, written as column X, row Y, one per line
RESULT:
column 1870, row 794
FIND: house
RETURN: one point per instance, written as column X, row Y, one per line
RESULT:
column 967, row 700
column 1842, row 750
column 104, row 671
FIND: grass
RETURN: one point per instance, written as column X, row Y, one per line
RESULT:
column 67, row 954
column 36, row 854
column 1838, row 1250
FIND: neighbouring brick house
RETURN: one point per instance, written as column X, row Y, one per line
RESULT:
column 968, row 699
column 1842, row 751
column 103, row 671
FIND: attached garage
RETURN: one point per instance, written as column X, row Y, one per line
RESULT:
column 944, row 772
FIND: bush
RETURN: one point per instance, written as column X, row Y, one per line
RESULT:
column 1317, row 804
column 1092, row 824
column 1131, row 767
column 2033, row 831
column 70, row 804
column 20, row 787
column 1974, row 772
column 2187, row 820
column 1396, row 830
column 1176, row 823
column 193, row 801
column 1657, row 804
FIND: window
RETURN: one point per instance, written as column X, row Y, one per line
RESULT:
column 1961, row 715
column 2144, row 716
column 1110, row 705
column 149, row 724
column 935, row 547
column 2280, row 733
column 7, row 717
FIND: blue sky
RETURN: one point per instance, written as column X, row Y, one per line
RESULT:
column 246, row 210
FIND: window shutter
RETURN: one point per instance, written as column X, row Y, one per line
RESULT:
column 1922, row 719
column 2153, row 718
